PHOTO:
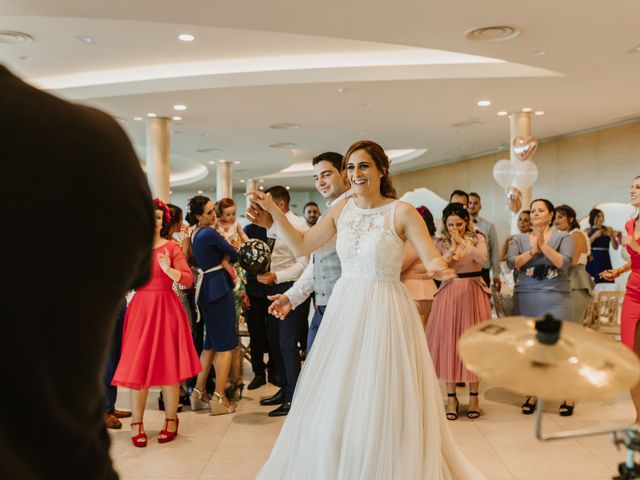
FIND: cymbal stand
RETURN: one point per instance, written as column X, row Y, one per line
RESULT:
column 628, row 436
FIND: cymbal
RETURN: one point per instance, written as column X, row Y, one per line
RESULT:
column 582, row 364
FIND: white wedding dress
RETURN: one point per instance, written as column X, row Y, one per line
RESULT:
column 367, row 405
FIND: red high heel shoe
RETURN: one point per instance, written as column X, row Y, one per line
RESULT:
column 168, row 436
column 139, row 440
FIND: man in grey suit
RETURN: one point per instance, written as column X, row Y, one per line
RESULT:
column 488, row 229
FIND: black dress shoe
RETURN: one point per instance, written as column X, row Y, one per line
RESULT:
column 257, row 382
column 281, row 411
column 276, row 399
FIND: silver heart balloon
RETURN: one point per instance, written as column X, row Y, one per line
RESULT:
column 525, row 147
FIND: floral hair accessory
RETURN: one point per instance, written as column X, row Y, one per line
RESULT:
column 165, row 210
column 421, row 209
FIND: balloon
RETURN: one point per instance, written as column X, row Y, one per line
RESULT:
column 525, row 147
column 514, row 199
column 255, row 256
column 526, row 174
column 503, row 173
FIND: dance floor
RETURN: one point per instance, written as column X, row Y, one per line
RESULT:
column 501, row 442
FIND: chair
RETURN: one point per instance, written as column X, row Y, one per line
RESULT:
column 243, row 332
column 603, row 312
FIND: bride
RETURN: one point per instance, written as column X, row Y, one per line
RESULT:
column 367, row 404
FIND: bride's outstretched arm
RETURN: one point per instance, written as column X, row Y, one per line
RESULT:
column 300, row 243
column 410, row 225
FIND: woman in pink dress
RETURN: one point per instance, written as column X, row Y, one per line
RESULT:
column 157, row 348
column 631, row 306
column 459, row 304
column 421, row 287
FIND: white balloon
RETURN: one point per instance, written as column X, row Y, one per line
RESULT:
column 525, row 174
column 503, row 173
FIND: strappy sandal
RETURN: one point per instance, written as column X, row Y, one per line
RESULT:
column 234, row 391
column 197, row 401
column 165, row 435
column 139, row 440
column 218, row 406
column 529, row 407
column 453, row 415
column 472, row 414
column 566, row 410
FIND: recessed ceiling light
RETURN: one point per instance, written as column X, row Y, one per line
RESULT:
column 284, row 126
column 170, row 192
column 200, row 192
column 212, row 162
column 484, row 103
column 176, row 118
column 340, row 90
column 539, row 113
column 237, row 162
column 503, row 113
column 527, row 109
column 179, row 107
column 261, row 180
column 287, row 187
column 137, row 119
column 151, row 115
column 496, row 33
column 10, row 36
column 86, row 39
column 242, row 180
column 186, row 37
column 261, row 187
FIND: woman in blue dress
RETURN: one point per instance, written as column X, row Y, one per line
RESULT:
column 601, row 237
column 214, row 299
column 540, row 260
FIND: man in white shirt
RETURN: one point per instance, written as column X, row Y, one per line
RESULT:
column 324, row 270
column 285, row 269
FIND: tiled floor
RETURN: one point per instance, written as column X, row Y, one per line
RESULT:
column 501, row 442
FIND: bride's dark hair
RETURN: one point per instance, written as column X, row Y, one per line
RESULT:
column 376, row 152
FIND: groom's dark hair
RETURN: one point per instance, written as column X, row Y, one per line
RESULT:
column 333, row 158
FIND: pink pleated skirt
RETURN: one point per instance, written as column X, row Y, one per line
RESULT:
column 459, row 304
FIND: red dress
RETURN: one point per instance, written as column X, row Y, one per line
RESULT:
column 631, row 306
column 157, row 346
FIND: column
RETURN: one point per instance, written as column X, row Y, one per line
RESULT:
column 520, row 123
column 252, row 185
column 224, row 186
column 158, row 165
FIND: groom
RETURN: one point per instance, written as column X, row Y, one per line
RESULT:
column 324, row 270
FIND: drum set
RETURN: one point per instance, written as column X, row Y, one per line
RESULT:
column 556, row 360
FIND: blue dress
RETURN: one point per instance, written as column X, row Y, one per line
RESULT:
column 600, row 258
column 542, row 288
column 216, row 292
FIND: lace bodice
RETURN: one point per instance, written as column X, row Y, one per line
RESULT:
column 367, row 243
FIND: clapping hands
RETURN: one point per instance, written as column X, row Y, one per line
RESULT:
column 164, row 260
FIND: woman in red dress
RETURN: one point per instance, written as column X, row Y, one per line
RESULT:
column 631, row 306
column 157, row 348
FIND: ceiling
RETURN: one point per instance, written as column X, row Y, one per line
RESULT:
column 401, row 73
